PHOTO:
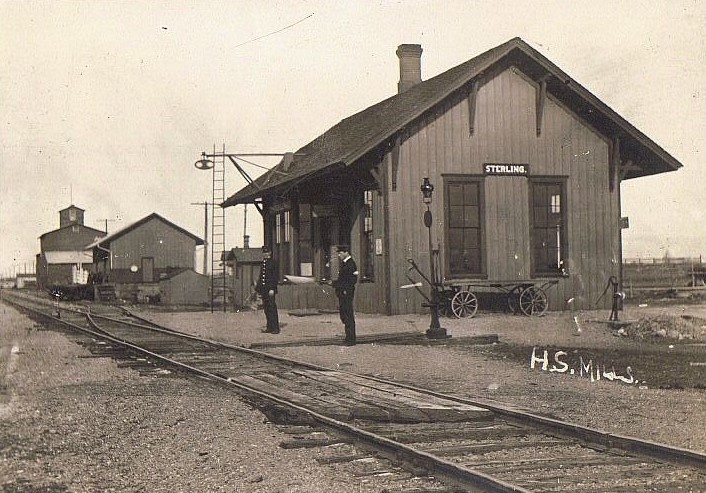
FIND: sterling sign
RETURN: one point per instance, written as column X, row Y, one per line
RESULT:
column 506, row 169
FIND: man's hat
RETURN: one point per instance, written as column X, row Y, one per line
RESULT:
column 342, row 248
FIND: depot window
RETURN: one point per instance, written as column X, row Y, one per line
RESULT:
column 282, row 242
column 548, row 226
column 305, row 236
column 367, row 247
column 465, row 234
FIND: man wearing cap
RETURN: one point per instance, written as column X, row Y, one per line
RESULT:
column 267, row 289
column 345, row 289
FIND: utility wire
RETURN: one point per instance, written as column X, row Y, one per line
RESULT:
column 273, row 32
column 250, row 162
column 260, row 166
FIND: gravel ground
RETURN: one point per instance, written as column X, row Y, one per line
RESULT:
column 72, row 422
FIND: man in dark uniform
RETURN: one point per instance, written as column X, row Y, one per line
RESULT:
column 267, row 289
column 345, row 289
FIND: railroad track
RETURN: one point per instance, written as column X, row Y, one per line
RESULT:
column 431, row 441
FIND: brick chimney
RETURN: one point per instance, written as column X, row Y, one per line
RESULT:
column 410, row 66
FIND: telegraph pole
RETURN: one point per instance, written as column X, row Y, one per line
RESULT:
column 205, row 205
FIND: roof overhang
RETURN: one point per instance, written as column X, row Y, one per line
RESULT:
column 254, row 193
column 639, row 155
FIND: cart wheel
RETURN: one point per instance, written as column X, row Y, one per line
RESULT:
column 464, row 304
column 513, row 300
column 533, row 301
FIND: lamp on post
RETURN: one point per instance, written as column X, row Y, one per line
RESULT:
column 204, row 163
column 218, row 278
column 435, row 330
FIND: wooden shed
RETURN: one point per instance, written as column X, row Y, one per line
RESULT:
column 183, row 287
column 243, row 270
column 526, row 166
column 134, row 259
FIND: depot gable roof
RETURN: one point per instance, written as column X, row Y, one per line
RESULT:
column 360, row 133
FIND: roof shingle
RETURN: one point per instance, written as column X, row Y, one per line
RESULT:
column 356, row 135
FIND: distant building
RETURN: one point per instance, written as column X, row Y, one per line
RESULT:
column 64, row 258
column 25, row 281
column 151, row 260
column 243, row 267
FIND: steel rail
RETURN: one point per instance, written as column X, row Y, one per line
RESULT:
column 668, row 453
column 609, row 441
column 395, row 451
column 472, row 480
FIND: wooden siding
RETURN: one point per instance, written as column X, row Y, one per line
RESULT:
column 186, row 288
column 323, row 297
column 507, row 239
column 505, row 131
column 168, row 246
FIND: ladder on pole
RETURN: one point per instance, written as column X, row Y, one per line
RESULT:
column 219, row 288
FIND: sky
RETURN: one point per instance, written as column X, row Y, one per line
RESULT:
column 107, row 104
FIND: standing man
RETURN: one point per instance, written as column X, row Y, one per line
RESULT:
column 345, row 289
column 267, row 289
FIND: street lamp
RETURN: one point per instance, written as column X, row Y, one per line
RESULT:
column 204, row 162
column 435, row 330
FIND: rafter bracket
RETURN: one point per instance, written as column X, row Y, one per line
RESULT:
column 395, row 158
column 377, row 175
column 472, row 101
column 541, row 102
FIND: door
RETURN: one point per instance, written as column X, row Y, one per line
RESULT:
column 323, row 241
column 147, row 269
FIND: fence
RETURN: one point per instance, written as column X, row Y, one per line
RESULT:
column 645, row 275
column 698, row 261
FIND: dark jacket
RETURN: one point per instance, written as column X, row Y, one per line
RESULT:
column 268, row 277
column 347, row 277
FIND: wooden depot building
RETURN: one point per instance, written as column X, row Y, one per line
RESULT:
column 526, row 166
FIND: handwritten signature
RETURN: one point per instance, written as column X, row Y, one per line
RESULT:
column 557, row 364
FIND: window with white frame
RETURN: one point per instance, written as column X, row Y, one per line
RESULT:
column 367, row 247
column 283, row 237
column 548, row 217
column 305, row 237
